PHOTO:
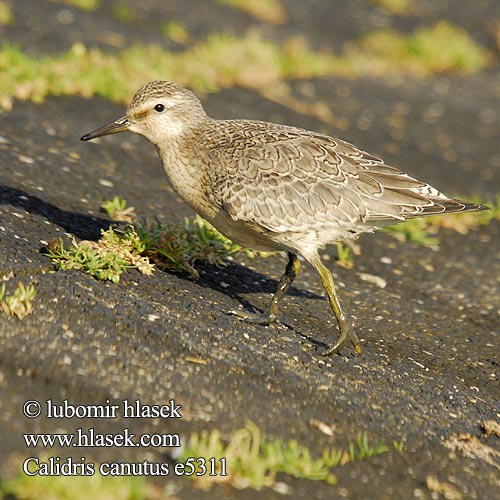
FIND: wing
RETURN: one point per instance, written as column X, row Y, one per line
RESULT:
column 286, row 179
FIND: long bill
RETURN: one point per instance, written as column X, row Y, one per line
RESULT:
column 113, row 127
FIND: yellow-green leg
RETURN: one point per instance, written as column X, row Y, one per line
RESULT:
column 291, row 271
column 345, row 325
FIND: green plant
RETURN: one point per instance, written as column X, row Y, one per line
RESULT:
column 176, row 32
column 224, row 60
column 344, row 254
column 414, row 230
column 398, row 445
column 441, row 48
column 25, row 487
column 19, row 303
column 6, row 16
column 362, row 449
column 124, row 13
column 423, row 230
column 179, row 246
column 106, row 259
column 117, row 209
column 254, row 461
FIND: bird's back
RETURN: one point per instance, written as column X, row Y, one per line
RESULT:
column 289, row 180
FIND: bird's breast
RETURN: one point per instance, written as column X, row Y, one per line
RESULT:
column 188, row 179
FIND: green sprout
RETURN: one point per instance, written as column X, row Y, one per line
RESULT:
column 414, row 230
column 179, row 246
column 117, row 209
column 398, row 445
column 344, row 254
column 19, row 303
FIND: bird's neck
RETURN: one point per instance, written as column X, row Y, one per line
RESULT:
column 186, row 175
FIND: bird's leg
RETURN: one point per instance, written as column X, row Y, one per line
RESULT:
column 291, row 271
column 345, row 325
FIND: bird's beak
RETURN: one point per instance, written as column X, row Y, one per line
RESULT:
column 113, row 127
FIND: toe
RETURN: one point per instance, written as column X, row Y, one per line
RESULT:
column 254, row 319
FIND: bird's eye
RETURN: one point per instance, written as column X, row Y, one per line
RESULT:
column 160, row 108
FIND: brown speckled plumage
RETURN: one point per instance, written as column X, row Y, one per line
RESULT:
column 276, row 187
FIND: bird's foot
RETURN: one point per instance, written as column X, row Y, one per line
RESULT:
column 255, row 319
column 347, row 336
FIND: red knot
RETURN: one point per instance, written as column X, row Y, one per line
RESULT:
column 274, row 187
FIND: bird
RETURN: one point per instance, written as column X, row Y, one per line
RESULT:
column 273, row 187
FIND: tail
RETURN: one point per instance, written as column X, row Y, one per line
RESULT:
column 445, row 206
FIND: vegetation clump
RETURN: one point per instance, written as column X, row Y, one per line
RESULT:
column 254, row 461
column 20, row 302
column 224, row 60
column 176, row 246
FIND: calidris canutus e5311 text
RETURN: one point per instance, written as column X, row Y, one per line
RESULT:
column 274, row 187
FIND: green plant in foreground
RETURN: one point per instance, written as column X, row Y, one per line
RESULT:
column 254, row 461
column 180, row 246
column 78, row 488
column 177, row 246
column 19, row 303
column 106, row 259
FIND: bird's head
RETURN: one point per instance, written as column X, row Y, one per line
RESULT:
column 159, row 111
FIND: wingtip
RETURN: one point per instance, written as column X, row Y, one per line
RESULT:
column 473, row 207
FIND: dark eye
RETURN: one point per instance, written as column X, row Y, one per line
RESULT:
column 160, row 108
